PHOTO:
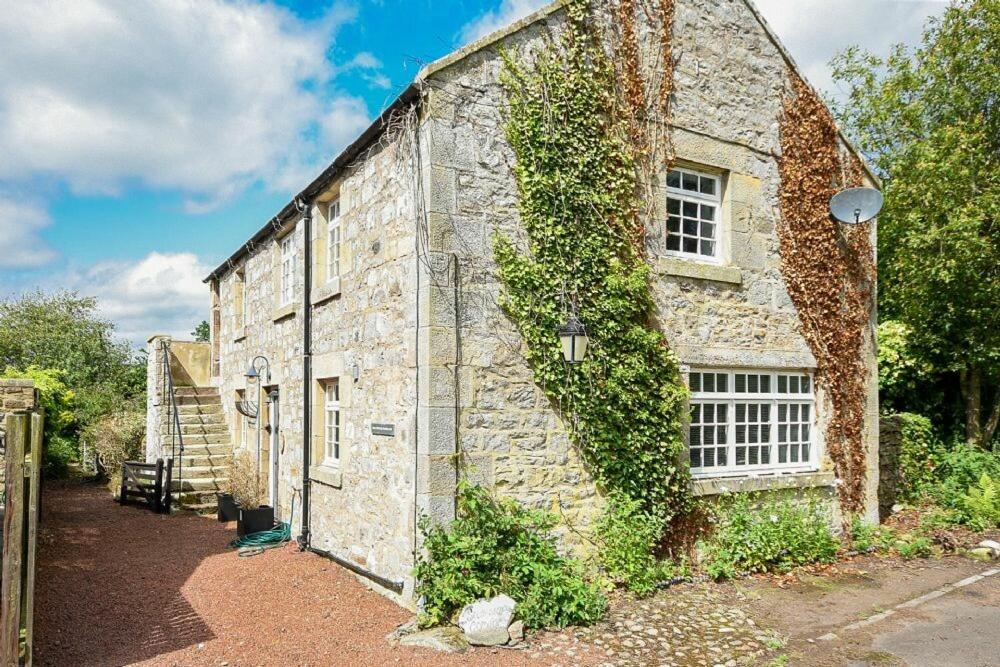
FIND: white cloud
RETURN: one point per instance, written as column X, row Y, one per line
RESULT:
column 161, row 293
column 203, row 96
column 508, row 12
column 814, row 31
column 21, row 246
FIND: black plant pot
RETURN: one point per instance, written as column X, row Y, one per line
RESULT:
column 254, row 521
column 228, row 509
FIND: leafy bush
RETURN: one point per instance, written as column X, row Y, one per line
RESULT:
column 762, row 534
column 629, row 536
column 921, row 455
column 961, row 469
column 917, row 547
column 116, row 438
column 496, row 546
column 57, row 455
column 58, row 402
column 980, row 506
column 870, row 537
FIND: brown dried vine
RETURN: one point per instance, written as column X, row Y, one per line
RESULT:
column 830, row 275
column 645, row 102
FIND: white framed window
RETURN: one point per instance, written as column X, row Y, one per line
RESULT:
column 287, row 270
column 331, row 424
column 333, row 241
column 694, row 204
column 745, row 421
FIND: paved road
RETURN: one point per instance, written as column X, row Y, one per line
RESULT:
column 960, row 629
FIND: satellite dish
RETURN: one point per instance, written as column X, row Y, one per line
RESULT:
column 856, row 205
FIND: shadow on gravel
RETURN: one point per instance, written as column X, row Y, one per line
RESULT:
column 110, row 579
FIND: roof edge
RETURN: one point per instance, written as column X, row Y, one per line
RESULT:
column 340, row 163
column 794, row 66
column 489, row 40
column 412, row 92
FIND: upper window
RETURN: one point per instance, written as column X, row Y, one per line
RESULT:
column 746, row 421
column 287, row 270
column 333, row 242
column 693, row 205
column 331, row 424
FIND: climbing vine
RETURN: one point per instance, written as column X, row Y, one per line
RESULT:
column 830, row 273
column 577, row 175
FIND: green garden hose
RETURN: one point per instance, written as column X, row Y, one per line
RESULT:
column 257, row 543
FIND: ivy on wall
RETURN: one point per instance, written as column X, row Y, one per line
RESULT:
column 829, row 271
column 578, row 178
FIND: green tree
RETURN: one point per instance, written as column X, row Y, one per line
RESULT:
column 62, row 330
column 203, row 332
column 929, row 120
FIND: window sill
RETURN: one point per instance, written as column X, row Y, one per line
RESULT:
column 330, row 290
column 673, row 266
column 716, row 486
column 327, row 476
column 284, row 312
column 240, row 335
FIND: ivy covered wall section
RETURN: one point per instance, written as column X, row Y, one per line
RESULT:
column 576, row 174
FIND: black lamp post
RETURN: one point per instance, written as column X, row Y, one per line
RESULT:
column 574, row 339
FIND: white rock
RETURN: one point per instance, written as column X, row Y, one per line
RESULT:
column 993, row 545
column 516, row 632
column 485, row 622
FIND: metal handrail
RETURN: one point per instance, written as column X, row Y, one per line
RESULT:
column 173, row 421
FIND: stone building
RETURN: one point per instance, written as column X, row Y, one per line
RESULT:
column 390, row 367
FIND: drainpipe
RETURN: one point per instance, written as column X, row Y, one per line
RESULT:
column 305, row 208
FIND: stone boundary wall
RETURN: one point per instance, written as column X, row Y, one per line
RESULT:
column 890, row 449
column 15, row 396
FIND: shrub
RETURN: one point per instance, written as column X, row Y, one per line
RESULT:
column 962, row 468
column 58, row 402
column 244, row 481
column 921, row 455
column 761, row 534
column 870, row 537
column 980, row 506
column 628, row 536
column 59, row 452
column 910, row 548
column 116, row 438
column 496, row 546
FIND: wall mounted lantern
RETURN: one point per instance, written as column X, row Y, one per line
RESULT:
column 574, row 339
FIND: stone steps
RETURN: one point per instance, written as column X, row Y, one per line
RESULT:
column 207, row 449
column 195, row 391
column 198, row 484
column 200, row 410
column 208, row 439
column 199, row 400
column 203, row 429
column 203, row 472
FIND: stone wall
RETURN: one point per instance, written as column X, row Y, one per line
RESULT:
column 16, row 396
column 730, row 83
column 365, row 337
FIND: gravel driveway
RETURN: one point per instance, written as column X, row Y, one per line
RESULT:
column 122, row 586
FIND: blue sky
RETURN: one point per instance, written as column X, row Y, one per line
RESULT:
column 142, row 142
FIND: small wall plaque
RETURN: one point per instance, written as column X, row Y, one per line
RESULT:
column 388, row 430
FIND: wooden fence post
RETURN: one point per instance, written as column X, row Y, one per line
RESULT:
column 17, row 428
column 34, row 509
